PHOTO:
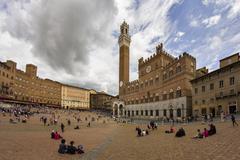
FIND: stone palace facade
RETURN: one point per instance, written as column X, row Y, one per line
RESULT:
column 163, row 86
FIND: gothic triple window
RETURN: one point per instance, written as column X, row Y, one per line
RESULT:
column 178, row 69
column 179, row 93
column 151, row 82
column 146, row 83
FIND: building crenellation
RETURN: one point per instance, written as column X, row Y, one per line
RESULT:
column 162, row 79
column 155, row 56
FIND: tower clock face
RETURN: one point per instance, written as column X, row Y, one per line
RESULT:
column 121, row 83
column 148, row 69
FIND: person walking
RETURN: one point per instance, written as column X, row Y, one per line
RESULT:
column 62, row 127
column 233, row 120
column 69, row 122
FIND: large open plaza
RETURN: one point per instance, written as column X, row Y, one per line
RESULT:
column 107, row 139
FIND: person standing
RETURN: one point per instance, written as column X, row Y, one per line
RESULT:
column 89, row 124
column 233, row 120
column 45, row 121
column 62, row 127
column 222, row 117
column 69, row 122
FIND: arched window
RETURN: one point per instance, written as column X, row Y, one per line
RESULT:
column 178, row 69
column 137, row 113
column 146, row 83
column 171, row 113
column 146, row 112
column 179, row 114
column 178, row 92
column 164, row 112
column 164, row 75
column 132, row 113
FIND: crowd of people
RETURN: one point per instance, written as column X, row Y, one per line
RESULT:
column 70, row 149
column 180, row 132
column 54, row 118
column 206, row 133
column 150, row 127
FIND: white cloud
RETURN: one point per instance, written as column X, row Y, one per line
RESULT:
column 178, row 36
column 232, row 6
column 194, row 23
column 71, row 40
column 193, row 41
column 211, row 21
column 215, row 43
column 235, row 9
column 205, row 2
column 217, row 2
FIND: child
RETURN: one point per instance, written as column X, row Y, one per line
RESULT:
column 199, row 134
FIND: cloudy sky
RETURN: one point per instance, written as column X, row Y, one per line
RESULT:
column 75, row 41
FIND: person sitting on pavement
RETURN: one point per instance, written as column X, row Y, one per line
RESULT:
column 144, row 133
column 212, row 130
column 139, row 131
column 199, row 134
column 12, row 121
column 77, row 127
column 171, row 130
column 80, row 149
column 180, row 133
column 71, row 149
column 24, row 120
column 205, row 133
column 57, row 136
column 62, row 147
column 147, row 132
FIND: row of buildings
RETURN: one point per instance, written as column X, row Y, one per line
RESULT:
column 172, row 86
column 25, row 87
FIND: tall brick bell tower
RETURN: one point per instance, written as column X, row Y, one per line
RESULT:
column 124, row 44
